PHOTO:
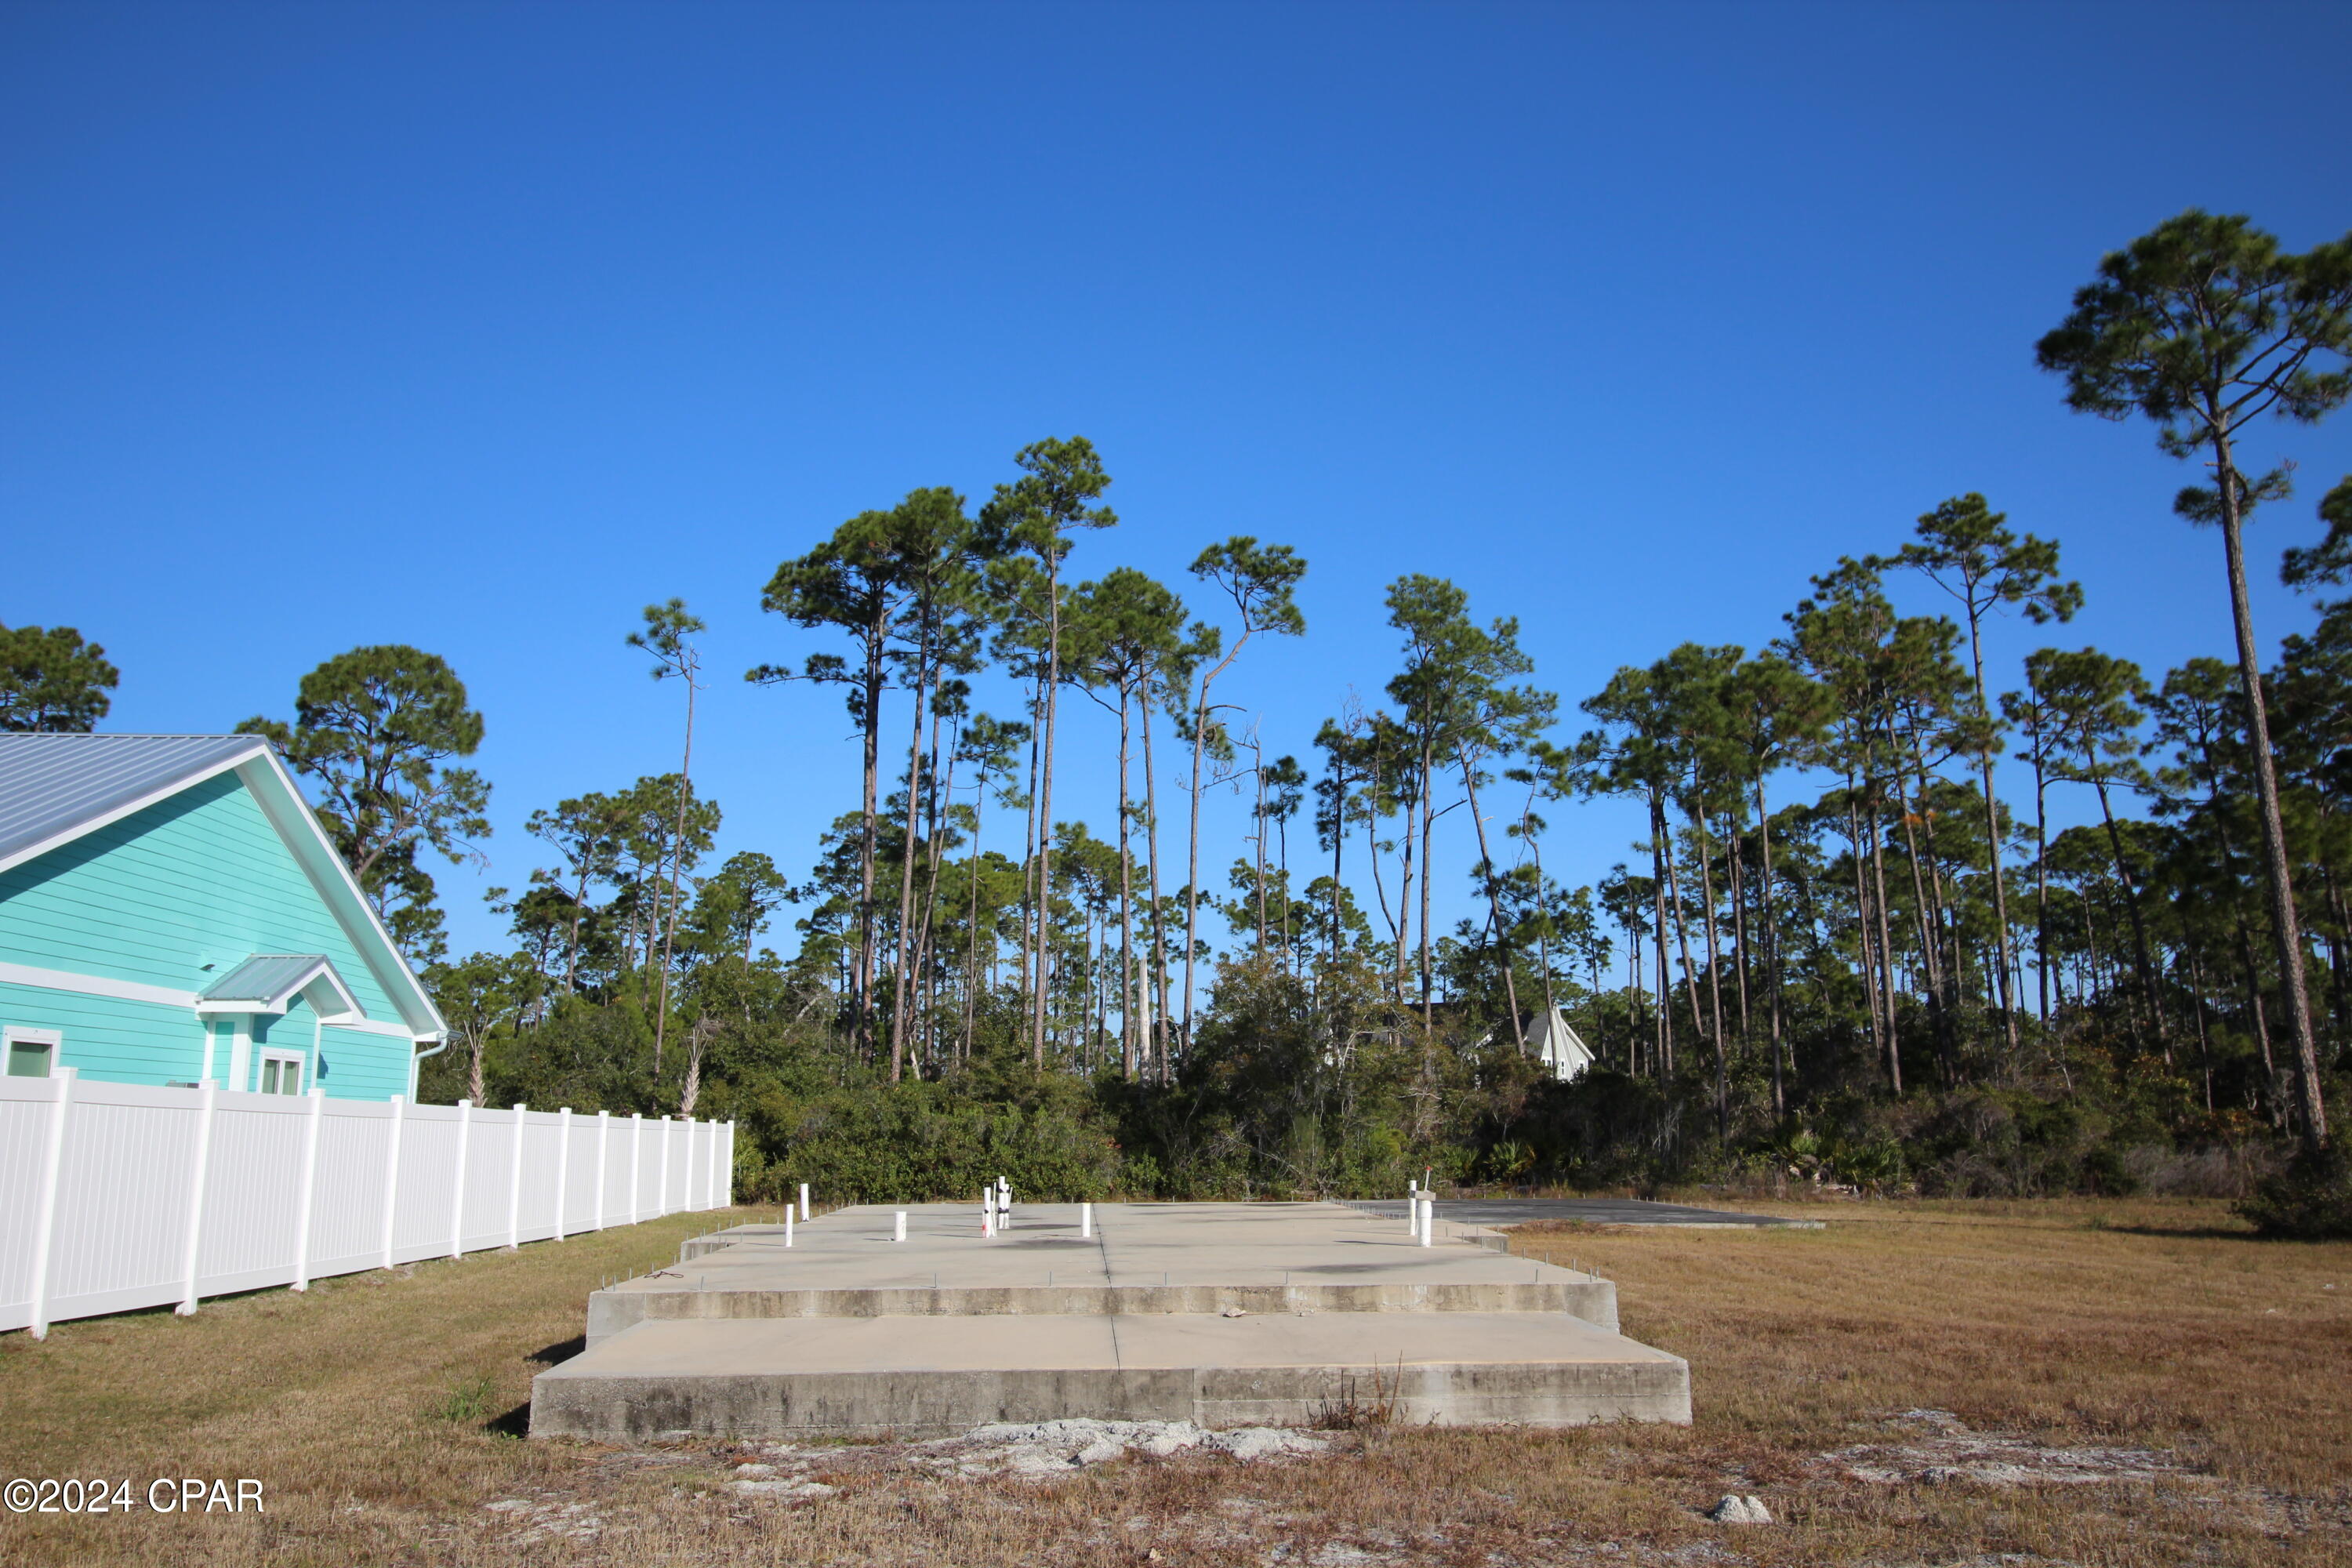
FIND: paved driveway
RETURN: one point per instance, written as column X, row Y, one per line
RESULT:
column 1592, row 1211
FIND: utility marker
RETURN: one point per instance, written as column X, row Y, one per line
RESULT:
column 1086, row 1221
column 901, row 1228
column 804, row 1203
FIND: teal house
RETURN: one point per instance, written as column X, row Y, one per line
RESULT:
column 172, row 914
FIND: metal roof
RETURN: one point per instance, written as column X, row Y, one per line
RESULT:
column 268, row 982
column 266, row 977
column 51, row 786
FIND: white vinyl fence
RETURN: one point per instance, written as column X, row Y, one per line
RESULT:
column 115, row 1197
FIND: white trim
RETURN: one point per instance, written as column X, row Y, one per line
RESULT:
column 54, row 1040
column 280, row 1054
column 92, row 823
column 355, row 899
column 94, row 985
column 370, row 1027
column 348, row 1009
column 164, row 997
column 240, row 1055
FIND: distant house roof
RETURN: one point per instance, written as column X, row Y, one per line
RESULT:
column 1557, row 1044
column 1551, row 1041
column 58, row 786
column 268, row 982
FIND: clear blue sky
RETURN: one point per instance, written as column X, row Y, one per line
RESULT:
column 477, row 327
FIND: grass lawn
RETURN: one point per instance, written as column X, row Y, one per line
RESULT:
column 2158, row 1389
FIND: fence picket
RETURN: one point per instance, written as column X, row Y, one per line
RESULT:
column 198, row 1221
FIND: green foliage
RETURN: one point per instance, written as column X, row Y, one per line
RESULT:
column 927, row 1142
column 52, row 680
column 469, row 1399
column 372, row 730
column 2311, row 1200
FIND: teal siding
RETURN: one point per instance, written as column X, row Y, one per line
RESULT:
column 142, row 1042
column 291, row 1032
column 125, row 1042
column 200, row 879
column 363, row 1067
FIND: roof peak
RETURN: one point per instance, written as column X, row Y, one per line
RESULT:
column 129, row 735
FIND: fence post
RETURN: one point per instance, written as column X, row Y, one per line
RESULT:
column 728, row 1168
column 310, row 1187
column 637, row 1166
column 196, row 1196
column 514, row 1181
column 392, row 1174
column 604, row 1137
column 563, row 1165
column 45, row 1234
column 661, row 1193
column 458, row 1187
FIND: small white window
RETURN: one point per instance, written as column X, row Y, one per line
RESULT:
column 32, row 1053
column 281, row 1072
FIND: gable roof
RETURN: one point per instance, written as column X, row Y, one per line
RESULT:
column 268, row 982
column 55, row 788
column 60, row 787
column 1555, row 1039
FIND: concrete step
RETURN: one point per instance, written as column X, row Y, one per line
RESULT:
column 1138, row 1258
column 702, row 1297
column 922, row 1376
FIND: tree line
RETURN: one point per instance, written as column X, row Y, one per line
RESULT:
column 1838, row 947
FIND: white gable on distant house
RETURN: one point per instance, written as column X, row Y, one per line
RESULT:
column 1561, row 1051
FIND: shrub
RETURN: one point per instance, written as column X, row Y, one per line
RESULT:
column 2311, row 1200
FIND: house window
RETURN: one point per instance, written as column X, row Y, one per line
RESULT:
column 32, row 1052
column 281, row 1072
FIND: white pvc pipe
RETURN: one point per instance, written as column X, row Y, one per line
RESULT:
column 788, row 1225
column 1428, row 1219
column 514, row 1181
column 458, row 1182
column 901, row 1228
column 391, row 1176
column 563, row 1165
column 204, row 1108
column 45, row 1233
column 1086, row 1220
column 310, row 1189
column 804, row 1203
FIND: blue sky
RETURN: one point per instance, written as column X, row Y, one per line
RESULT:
column 479, row 327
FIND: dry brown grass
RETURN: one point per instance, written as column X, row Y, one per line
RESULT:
column 2131, row 1324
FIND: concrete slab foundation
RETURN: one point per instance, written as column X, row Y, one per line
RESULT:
column 1223, row 1314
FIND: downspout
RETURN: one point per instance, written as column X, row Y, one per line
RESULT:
column 419, row 1057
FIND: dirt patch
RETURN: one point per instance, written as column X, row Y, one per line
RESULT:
column 1941, row 1450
